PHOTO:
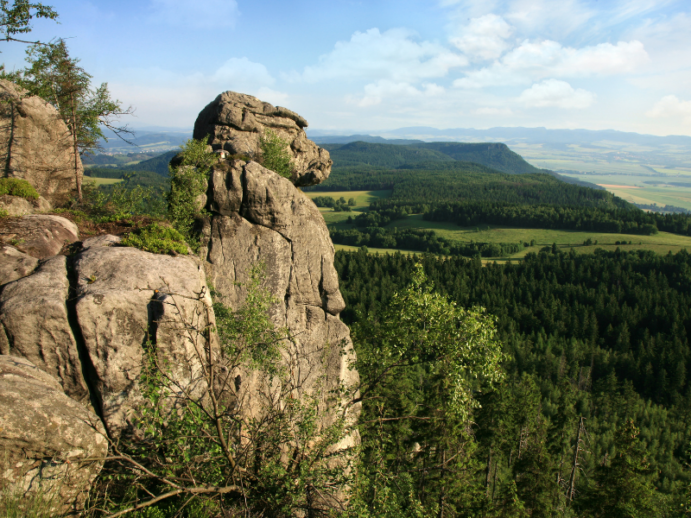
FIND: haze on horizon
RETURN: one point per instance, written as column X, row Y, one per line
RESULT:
column 385, row 64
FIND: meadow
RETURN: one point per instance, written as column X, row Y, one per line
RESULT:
column 661, row 243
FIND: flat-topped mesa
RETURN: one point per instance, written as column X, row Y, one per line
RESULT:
column 235, row 122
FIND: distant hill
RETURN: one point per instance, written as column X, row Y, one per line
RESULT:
column 381, row 155
column 495, row 155
column 158, row 164
column 321, row 140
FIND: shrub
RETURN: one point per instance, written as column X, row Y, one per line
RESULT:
column 275, row 155
column 18, row 187
column 156, row 239
column 188, row 181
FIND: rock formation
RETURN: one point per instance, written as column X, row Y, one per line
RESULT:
column 260, row 217
column 36, row 145
column 46, row 437
column 234, row 122
column 74, row 329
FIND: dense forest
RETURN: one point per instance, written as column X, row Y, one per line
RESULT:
column 597, row 367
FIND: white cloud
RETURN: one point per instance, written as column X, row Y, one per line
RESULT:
column 386, row 90
column 671, row 106
column 394, row 55
column 209, row 13
column 556, row 94
column 484, row 37
column 533, row 61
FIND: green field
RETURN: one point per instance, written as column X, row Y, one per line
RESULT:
column 102, row 181
column 661, row 243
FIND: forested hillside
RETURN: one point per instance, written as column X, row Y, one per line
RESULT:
column 598, row 339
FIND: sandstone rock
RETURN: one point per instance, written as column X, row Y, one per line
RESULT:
column 15, row 264
column 18, row 206
column 234, row 122
column 36, row 145
column 44, row 435
column 126, row 297
column 34, row 315
column 100, row 241
column 40, row 236
column 262, row 217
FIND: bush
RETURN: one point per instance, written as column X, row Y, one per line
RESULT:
column 156, row 239
column 189, row 181
column 275, row 155
column 18, row 187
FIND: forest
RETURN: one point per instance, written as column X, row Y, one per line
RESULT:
column 597, row 362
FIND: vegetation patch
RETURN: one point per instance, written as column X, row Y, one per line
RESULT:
column 18, row 187
column 275, row 155
column 157, row 239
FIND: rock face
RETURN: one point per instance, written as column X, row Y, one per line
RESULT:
column 234, row 122
column 124, row 298
column 15, row 264
column 36, row 145
column 44, row 434
column 260, row 217
column 38, row 235
column 18, row 206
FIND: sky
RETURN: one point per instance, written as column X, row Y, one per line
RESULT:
column 375, row 65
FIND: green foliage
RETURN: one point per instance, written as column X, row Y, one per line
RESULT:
column 188, row 181
column 622, row 487
column 423, row 361
column 275, row 155
column 16, row 19
column 56, row 77
column 120, row 201
column 18, row 187
column 157, row 239
column 34, row 504
column 246, row 439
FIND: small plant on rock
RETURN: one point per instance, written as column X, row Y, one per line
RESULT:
column 157, row 239
column 275, row 155
column 18, row 187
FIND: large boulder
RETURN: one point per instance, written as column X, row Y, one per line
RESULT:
column 127, row 300
column 51, row 445
column 235, row 122
column 36, row 145
column 34, row 315
column 15, row 264
column 39, row 235
column 259, row 217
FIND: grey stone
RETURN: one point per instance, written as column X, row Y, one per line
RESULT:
column 15, row 264
column 36, row 145
column 39, row 235
column 46, row 438
column 35, row 319
column 278, row 226
column 234, row 122
column 100, row 241
column 126, row 298
column 18, row 206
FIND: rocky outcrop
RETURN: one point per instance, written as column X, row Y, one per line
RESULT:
column 15, row 264
column 39, row 235
column 126, row 300
column 260, row 217
column 49, row 442
column 234, row 122
column 36, row 145
column 18, row 206
column 35, row 320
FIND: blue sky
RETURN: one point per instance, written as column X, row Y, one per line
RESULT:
column 381, row 64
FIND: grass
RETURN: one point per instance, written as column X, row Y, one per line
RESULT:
column 102, row 181
column 362, row 202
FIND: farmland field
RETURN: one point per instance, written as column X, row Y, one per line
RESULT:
column 102, row 181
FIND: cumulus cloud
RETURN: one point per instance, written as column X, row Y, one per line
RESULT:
column 671, row 106
column 556, row 94
column 533, row 61
column 394, row 55
column 484, row 37
column 385, row 89
column 210, row 13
